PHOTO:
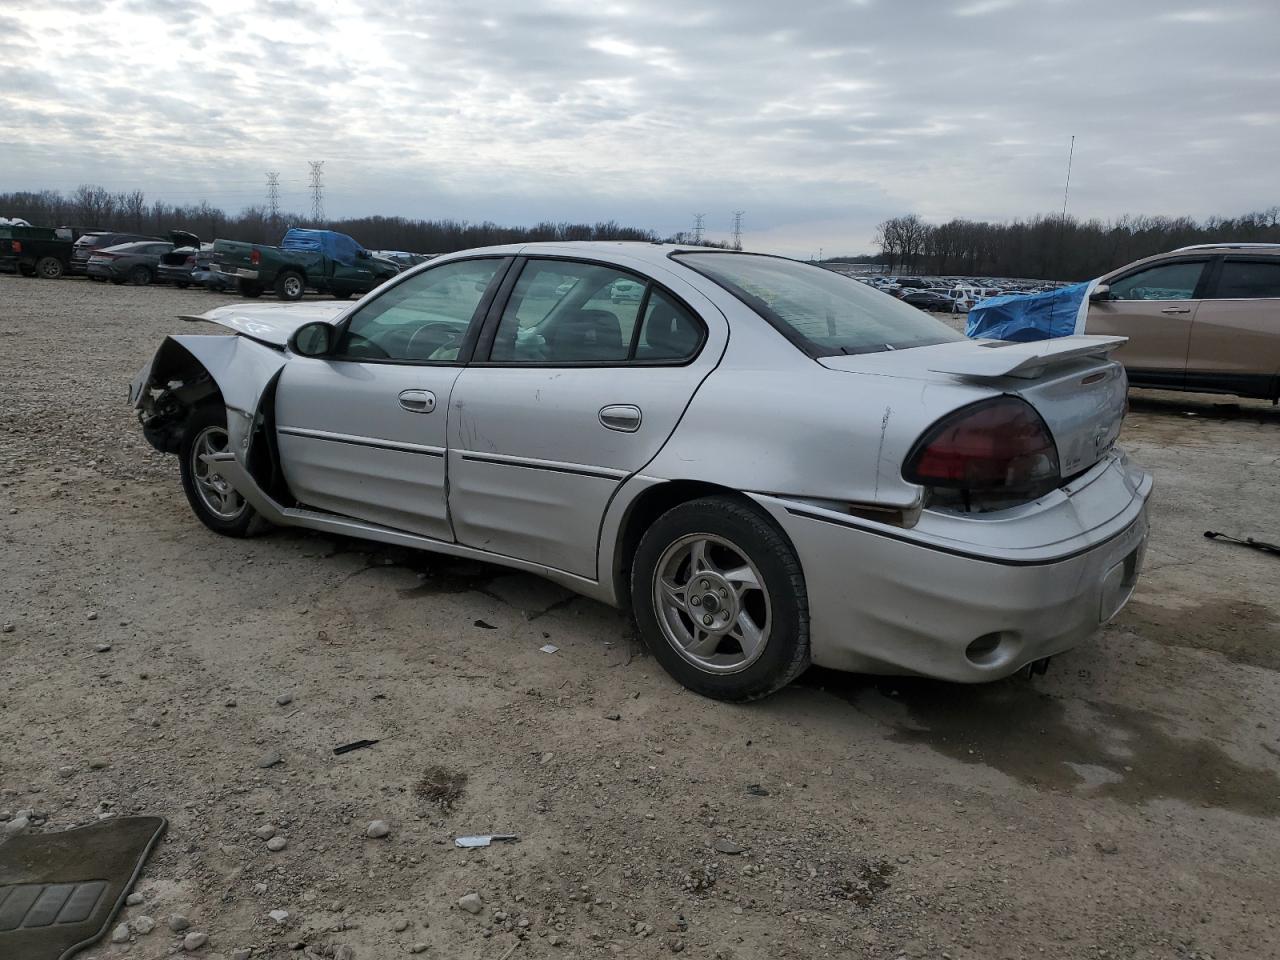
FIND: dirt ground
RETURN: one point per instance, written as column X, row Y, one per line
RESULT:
column 1127, row 804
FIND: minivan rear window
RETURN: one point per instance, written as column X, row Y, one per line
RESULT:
column 821, row 312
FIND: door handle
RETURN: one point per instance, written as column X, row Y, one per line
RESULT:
column 623, row 417
column 1176, row 310
column 418, row 401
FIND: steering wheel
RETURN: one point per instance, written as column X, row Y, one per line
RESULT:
column 451, row 334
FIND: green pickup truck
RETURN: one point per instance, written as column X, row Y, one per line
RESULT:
column 36, row 251
column 320, row 260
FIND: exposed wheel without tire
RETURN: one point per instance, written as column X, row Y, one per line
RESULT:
column 212, row 499
column 139, row 276
column 719, row 597
column 49, row 268
column 290, row 285
column 247, row 288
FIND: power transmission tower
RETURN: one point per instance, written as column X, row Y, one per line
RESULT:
column 317, row 190
column 697, row 228
column 273, row 194
column 737, row 229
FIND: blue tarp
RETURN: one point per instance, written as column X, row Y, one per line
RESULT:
column 335, row 246
column 1031, row 316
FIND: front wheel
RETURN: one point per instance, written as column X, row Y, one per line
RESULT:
column 214, row 501
column 247, row 288
column 719, row 597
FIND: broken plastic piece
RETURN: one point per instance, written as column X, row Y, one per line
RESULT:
column 485, row 839
column 548, row 648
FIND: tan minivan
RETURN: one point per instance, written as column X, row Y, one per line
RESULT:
column 1203, row 318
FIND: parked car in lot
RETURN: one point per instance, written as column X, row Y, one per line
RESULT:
column 843, row 481
column 137, row 263
column 322, row 260
column 93, row 240
column 927, row 299
column 35, row 251
column 192, row 265
column 1203, row 318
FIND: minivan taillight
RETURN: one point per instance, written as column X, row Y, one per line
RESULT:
column 255, row 257
column 990, row 454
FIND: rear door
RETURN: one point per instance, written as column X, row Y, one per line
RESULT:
column 582, row 380
column 362, row 431
column 1154, row 306
column 1235, row 339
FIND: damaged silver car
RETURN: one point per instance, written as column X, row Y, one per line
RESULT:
column 771, row 465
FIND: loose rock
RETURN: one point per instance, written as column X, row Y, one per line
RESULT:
column 102, row 647
column 418, row 948
column 194, row 941
column 727, row 847
column 244, row 953
column 143, row 925
column 377, row 829
column 120, row 934
column 279, row 916
column 471, row 903
column 270, row 759
column 276, row 844
column 178, row 923
column 284, row 700
column 401, row 925
column 133, row 899
column 265, row 832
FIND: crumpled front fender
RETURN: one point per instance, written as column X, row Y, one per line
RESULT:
column 242, row 370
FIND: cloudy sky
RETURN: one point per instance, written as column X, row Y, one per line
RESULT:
column 818, row 118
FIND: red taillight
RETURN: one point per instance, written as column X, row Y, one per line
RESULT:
column 999, row 446
column 17, row 246
column 190, row 261
column 255, row 257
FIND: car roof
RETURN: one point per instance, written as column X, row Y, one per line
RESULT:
column 633, row 249
column 1251, row 247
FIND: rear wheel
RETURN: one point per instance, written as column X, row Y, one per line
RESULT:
column 140, row 276
column 247, row 288
column 290, row 285
column 50, row 268
column 720, row 599
column 214, row 501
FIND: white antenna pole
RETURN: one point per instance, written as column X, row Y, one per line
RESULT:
column 1066, row 190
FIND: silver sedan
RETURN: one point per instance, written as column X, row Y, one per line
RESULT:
column 771, row 465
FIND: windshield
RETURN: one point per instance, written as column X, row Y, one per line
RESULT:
column 821, row 312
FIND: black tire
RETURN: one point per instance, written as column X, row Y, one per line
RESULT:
column 49, row 268
column 140, row 276
column 290, row 285
column 247, row 288
column 785, row 649
column 181, row 284
column 209, row 420
column 342, row 294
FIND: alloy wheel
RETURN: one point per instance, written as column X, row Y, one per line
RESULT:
column 712, row 604
column 216, row 495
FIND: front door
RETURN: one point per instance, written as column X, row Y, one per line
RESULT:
column 1154, row 307
column 362, row 432
column 353, row 277
column 588, row 369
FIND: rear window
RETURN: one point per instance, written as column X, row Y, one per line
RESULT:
column 1249, row 280
column 821, row 312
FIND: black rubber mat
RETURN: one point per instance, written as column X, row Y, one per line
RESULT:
column 60, row 891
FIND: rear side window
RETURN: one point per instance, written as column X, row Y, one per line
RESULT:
column 821, row 312
column 1249, row 280
column 1167, row 281
column 568, row 312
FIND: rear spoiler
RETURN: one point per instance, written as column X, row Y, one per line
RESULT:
column 1003, row 358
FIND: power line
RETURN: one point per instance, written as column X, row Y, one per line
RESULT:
column 273, row 194
column 317, row 190
column 737, row 229
column 697, row 227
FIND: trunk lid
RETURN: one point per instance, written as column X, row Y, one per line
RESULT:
column 1072, row 382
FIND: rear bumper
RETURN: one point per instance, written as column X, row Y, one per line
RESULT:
column 241, row 273
column 170, row 274
column 95, row 269
column 887, row 600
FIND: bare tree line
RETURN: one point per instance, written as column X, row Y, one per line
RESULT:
column 94, row 208
column 1052, row 248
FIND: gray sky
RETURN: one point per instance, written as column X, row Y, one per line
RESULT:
column 819, row 118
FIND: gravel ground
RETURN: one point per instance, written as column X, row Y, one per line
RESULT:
column 1123, row 805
